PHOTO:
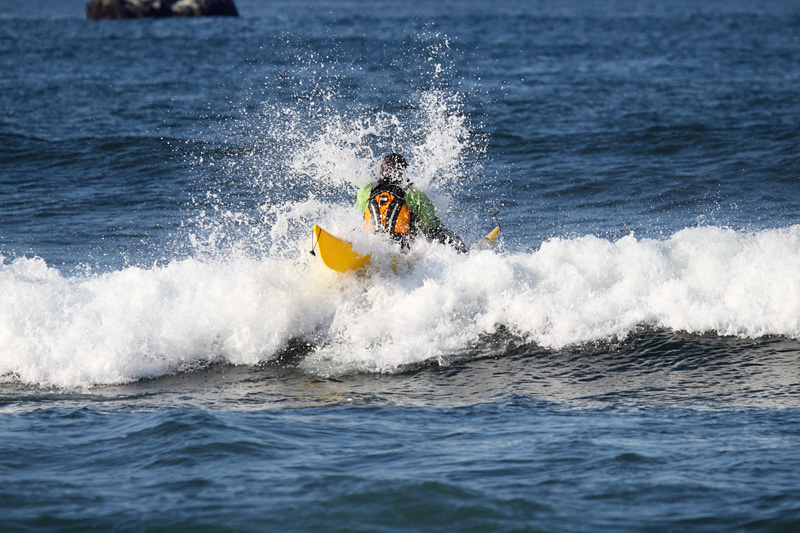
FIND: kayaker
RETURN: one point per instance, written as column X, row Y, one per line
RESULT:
column 393, row 205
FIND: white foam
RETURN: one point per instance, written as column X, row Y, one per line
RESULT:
column 135, row 323
column 573, row 291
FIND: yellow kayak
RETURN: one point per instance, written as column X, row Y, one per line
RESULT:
column 338, row 254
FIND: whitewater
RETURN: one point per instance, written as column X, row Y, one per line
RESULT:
column 116, row 327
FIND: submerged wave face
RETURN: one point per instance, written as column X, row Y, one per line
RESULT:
column 138, row 323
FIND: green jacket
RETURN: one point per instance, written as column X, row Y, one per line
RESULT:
column 419, row 204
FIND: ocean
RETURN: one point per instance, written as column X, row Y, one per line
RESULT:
column 172, row 357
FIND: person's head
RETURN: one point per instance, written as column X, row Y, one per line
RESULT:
column 392, row 167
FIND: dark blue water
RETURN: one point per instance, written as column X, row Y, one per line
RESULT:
column 171, row 357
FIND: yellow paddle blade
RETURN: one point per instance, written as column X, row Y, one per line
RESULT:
column 337, row 254
column 488, row 242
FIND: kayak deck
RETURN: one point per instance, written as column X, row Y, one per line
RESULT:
column 338, row 254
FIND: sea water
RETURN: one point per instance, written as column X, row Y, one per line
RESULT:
column 626, row 359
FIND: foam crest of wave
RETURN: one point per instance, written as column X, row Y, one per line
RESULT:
column 144, row 322
column 699, row 280
column 573, row 291
column 137, row 323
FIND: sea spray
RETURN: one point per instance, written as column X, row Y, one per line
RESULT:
column 300, row 137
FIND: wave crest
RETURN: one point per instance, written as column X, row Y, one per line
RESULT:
column 145, row 322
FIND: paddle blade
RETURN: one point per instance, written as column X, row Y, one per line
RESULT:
column 488, row 242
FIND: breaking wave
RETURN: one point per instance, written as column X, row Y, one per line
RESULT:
column 135, row 323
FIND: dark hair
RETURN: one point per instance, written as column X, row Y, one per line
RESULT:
column 395, row 160
column 392, row 167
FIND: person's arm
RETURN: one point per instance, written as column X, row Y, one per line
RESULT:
column 428, row 222
column 362, row 199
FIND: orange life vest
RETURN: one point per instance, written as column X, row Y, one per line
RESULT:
column 387, row 212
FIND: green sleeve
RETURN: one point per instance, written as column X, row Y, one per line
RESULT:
column 428, row 222
column 362, row 199
column 422, row 206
